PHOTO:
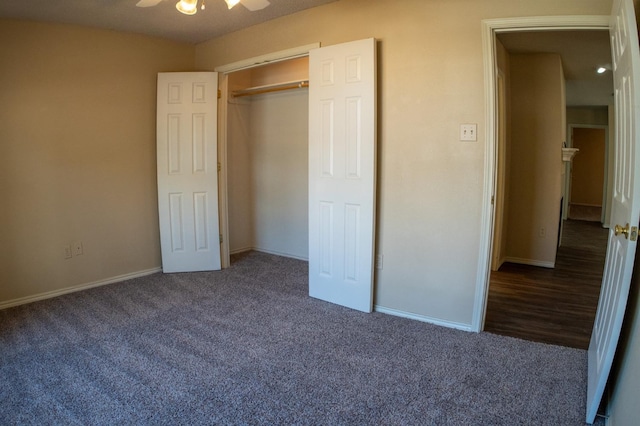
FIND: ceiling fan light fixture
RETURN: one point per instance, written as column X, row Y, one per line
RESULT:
column 231, row 3
column 188, row 7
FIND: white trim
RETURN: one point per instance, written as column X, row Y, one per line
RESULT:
column 586, row 205
column 422, row 318
column 240, row 250
column 546, row 23
column 530, row 262
column 282, row 55
column 278, row 253
column 274, row 252
column 80, row 287
column 223, row 177
column 489, row 28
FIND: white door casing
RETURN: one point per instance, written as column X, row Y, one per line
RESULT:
column 188, row 171
column 491, row 27
column 625, row 53
column 342, row 173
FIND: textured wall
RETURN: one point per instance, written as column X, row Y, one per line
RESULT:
column 77, row 147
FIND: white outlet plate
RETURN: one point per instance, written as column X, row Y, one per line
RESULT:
column 468, row 132
column 77, row 248
column 67, row 252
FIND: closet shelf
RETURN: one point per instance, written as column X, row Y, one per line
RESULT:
column 268, row 88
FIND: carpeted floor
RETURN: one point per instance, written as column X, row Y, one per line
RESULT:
column 248, row 346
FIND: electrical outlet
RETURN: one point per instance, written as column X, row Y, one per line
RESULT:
column 468, row 132
column 67, row 252
column 542, row 233
column 77, row 248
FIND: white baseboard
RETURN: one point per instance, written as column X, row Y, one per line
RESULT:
column 277, row 253
column 240, row 250
column 531, row 262
column 585, row 205
column 422, row 318
column 73, row 289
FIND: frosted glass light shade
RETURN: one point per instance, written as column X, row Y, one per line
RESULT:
column 188, row 7
column 231, row 3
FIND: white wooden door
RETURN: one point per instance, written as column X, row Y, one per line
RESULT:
column 188, row 171
column 626, row 202
column 342, row 173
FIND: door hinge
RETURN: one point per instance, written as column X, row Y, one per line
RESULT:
column 492, row 199
column 219, row 166
column 219, row 93
column 220, row 236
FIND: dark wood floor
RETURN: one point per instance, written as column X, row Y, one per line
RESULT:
column 552, row 305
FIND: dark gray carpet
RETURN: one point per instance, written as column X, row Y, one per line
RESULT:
column 248, row 346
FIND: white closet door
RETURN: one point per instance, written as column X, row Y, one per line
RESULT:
column 625, row 211
column 342, row 173
column 188, row 171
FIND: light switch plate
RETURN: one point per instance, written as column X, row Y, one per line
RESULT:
column 468, row 132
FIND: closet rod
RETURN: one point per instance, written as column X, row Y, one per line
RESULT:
column 271, row 88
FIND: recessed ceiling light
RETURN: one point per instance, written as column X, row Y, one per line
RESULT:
column 601, row 70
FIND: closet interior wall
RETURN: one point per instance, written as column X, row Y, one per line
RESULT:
column 267, row 157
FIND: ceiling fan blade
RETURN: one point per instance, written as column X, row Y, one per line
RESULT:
column 147, row 3
column 254, row 5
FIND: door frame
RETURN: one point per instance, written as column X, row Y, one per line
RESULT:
column 501, row 140
column 606, row 200
column 490, row 28
column 223, row 86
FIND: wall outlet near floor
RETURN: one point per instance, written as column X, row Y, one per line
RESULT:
column 542, row 233
column 67, row 252
column 77, row 248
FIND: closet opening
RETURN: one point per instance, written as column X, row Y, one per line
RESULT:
column 264, row 145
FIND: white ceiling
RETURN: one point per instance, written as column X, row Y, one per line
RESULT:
column 582, row 52
column 162, row 20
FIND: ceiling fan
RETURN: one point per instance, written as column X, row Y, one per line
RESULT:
column 190, row 7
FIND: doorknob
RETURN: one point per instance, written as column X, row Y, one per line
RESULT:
column 620, row 230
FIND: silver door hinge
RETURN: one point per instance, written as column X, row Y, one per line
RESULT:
column 220, row 235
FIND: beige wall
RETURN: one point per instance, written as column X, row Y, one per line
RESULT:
column 77, row 146
column 430, row 81
column 537, row 133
